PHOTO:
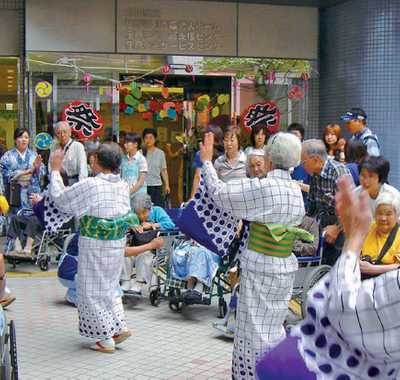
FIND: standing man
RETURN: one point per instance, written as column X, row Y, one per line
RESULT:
column 357, row 125
column 74, row 153
column 324, row 173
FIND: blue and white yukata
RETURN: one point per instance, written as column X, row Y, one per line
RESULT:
column 131, row 169
column 13, row 163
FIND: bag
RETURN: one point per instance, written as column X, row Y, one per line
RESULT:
column 388, row 243
column 137, row 238
column 13, row 193
column 167, row 201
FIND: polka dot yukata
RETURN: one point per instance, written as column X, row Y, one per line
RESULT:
column 101, row 314
column 266, row 282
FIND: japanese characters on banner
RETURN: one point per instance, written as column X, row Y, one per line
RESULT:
column 265, row 112
column 83, row 119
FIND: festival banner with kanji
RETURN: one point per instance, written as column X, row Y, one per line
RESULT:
column 265, row 112
column 83, row 119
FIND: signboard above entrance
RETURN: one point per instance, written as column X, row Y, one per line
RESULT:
column 179, row 27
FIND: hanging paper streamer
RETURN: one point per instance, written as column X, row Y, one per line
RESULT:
column 118, row 86
column 305, row 77
column 271, row 78
column 165, row 92
column 43, row 141
column 43, row 89
column 83, row 119
column 295, row 92
column 87, row 79
column 265, row 112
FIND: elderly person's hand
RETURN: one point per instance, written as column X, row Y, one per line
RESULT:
column 367, row 268
column 157, row 243
column 207, row 147
column 57, row 160
column 139, row 229
column 355, row 215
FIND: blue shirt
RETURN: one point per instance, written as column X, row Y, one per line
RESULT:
column 300, row 174
column 158, row 215
column 370, row 140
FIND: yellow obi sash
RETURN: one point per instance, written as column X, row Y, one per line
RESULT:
column 106, row 229
column 275, row 239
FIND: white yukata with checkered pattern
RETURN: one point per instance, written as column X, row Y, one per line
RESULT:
column 101, row 314
column 266, row 282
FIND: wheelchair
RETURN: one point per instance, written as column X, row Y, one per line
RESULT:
column 46, row 247
column 8, row 350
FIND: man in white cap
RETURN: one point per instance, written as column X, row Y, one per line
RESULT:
column 356, row 124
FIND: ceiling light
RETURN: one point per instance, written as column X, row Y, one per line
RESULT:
column 10, row 71
column 9, row 106
column 10, row 77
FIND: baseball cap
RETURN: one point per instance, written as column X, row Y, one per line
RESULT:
column 351, row 115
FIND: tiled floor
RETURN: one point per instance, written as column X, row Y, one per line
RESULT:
column 164, row 345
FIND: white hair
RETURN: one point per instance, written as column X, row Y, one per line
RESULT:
column 389, row 199
column 284, row 150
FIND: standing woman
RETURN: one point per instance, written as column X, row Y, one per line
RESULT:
column 232, row 164
column 268, row 267
column 100, row 203
column 23, row 165
column 259, row 136
column 157, row 167
column 333, row 141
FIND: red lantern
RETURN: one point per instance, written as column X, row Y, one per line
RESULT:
column 87, row 79
column 118, row 86
column 166, row 69
column 189, row 68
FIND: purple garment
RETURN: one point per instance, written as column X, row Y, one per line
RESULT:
column 284, row 362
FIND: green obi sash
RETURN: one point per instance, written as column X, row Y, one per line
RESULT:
column 106, row 229
column 275, row 239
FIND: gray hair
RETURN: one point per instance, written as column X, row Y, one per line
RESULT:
column 251, row 154
column 388, row 199
column 284, row 150
column 59, row 124
column 141, row 200
column 315, row 148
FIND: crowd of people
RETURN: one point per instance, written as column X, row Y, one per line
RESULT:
column 279, row 190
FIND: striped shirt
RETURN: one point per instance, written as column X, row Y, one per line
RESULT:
column 226, row 172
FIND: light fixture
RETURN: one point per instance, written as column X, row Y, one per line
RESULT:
column 10, row 71
column 10, row 77
column 9, row 106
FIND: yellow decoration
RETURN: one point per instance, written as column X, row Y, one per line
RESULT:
column 3, row 205
column 227, row 98
column 215, row 112
column 221, row 99
column 43, row 89
column 142, row 108
column 163, row 113
column 205, row 97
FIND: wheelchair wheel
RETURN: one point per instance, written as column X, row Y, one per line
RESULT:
column 44, row 264
column 177, row 305
column 154, row 299
column 223, row 307
column 13, row 352
column 312, row 278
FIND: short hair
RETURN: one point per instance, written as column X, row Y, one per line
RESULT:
column 296, row 127
column 336, row 130
column 19, row 132
column 133, row 138
column 255, row 130
column 387, row 198
column 59, row 124
column 141, row 200
column 355, row 150
column 218, row 139
column 150, row 131
column 234, row 130
column 361, row 112
column 91, row 153
column 375, row 164
column 284, row 150
column 109, row 156
column 314, row 148
column 251, row 154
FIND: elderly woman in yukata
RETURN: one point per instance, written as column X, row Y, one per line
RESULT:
column 267, row 274
column 95, row 202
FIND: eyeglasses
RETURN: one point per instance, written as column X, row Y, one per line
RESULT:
column 303, row 161
column 227, row 141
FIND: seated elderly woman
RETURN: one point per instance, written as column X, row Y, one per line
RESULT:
column 381, row 250
column 150, row 218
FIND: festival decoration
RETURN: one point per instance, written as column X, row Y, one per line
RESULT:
column 83, row 119
column 265, row 112
column 295, row 92
column 271, row 78
column 189, row 68
column 305, row 77
column 166, row 69
column 87, row 79
column 43, row 89
column 171, row 113
column 118, row 86
column 129, row 110
column 165, row 92
column 146, row 115
column 215, row 112
column 239, row 74
column 43, row 141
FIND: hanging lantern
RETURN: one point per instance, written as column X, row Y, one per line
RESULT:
column 189, row 68
column 166, row 69
column 87, row 79
column 305, row 77
column 118, row 86
column 239, row 74
column 271, row 77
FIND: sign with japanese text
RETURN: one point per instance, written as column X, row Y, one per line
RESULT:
column 179, row 27
column 265, row 112
column 83, row 119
